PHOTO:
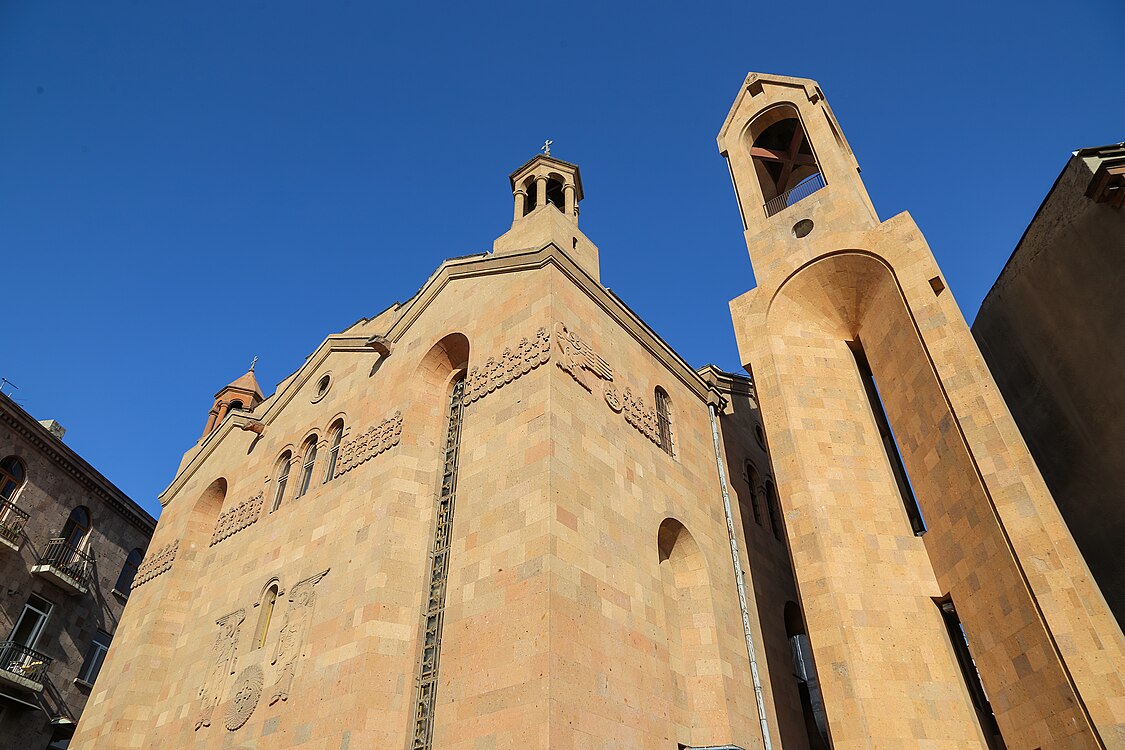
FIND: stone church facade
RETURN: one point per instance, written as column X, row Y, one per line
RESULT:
column 506, row 514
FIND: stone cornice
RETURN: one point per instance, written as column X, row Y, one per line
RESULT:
column 74, row 465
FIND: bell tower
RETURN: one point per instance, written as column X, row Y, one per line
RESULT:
column 545, row 194
column 244, row 394
column 944, row 597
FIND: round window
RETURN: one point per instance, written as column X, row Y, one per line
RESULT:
column 322, row 387
column 802, row 228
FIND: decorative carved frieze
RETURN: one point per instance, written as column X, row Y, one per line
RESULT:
column 294, row 631
column 576, row 356
column 512, row 364
column 371, row 443
column 220, row 665
column 155, row 563
column 247, row 692
column 237, row 518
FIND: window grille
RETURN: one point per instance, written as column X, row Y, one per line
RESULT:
column 434, row 614
column 663, row 421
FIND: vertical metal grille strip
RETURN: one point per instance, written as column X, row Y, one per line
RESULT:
column 439, row 575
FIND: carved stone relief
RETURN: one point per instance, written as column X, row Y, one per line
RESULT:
column 238, row 518
column 247, row 692
column 576, row 357
column 220, row 665
column 512, row 364
column 294, row 630
column 155, row 563
column 371, row 443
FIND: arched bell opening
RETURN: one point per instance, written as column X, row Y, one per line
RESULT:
column 784, row 160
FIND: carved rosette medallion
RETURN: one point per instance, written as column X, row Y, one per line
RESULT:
column 247, row 692
column 613, row 398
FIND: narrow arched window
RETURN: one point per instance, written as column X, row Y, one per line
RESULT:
column 12, row 475
column 664, row 420
column 282, row 479
column 334, row 451
column 307, row 465
column 783, row 158
column 269, row 600
column 773, row 510
column 236, row 406
column 128, row 571
column 755, row 482
column 76, row 528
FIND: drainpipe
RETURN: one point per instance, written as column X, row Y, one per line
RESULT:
column 738, row 582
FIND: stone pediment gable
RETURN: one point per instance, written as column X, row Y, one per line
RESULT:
column 810, row 88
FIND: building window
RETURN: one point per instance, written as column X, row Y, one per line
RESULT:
column 755, row 482
column 282, row 479
column 95, row 655
column 128, row 572
column 76, row 528
column 960, row 642
column 334, row 451
column 773, row 510
column 31, row 621
column 269, row 601
column 307, row 466
column 12, row 475
column 663, row 420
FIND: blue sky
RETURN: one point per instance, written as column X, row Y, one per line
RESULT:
column 186, row 185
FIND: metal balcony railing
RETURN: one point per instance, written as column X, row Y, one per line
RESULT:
column 21, row 661
column 69, row 560
column 12, row 521
column 799, row 192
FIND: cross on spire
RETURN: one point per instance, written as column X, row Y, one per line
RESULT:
column 546, row 148
column 253, row 362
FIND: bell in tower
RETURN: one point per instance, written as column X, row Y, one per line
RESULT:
column 545, row 193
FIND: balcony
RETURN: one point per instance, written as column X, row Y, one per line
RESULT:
column 799, row 192
column 66, row 566
column 12, row 522
column 22, row 667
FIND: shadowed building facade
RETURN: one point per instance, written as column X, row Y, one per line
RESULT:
column 506, row 514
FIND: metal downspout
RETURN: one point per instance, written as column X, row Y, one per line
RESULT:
column 739, row 583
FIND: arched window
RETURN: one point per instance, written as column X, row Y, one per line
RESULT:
column 307, row 465
column 269, row 600
column 783, row 157
column 128, row 571
column 555, row 194
column 235, row 406
column 755, row 482
column 334, row 450
column 773, row 510
column 12, row 475
column 282, row 479
column 664, row 420
column 76, row 528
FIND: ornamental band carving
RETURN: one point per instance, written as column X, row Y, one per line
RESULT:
column 155, row 564
column 294, row 630
column 238, row 518
column 220, row 665
column 512, row 364
column 375, row 440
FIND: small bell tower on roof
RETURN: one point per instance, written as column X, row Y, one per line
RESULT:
column 546, row 192
column 244, row 394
